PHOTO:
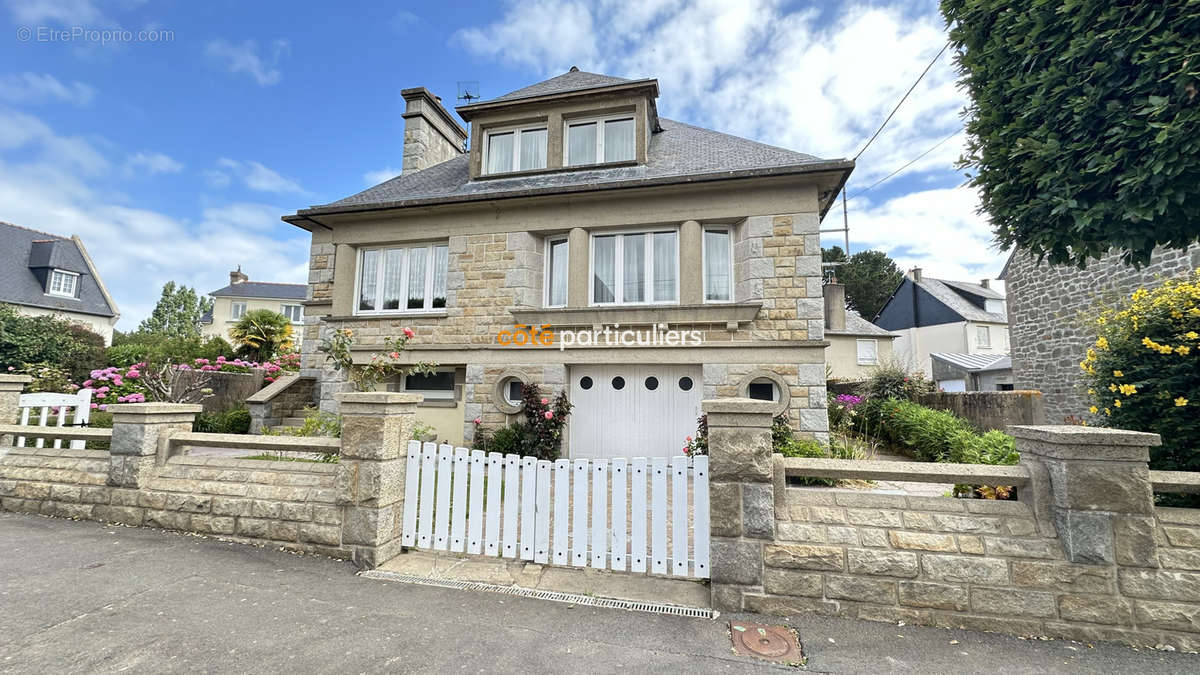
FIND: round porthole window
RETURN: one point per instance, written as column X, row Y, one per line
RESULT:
column 507, row 393
column 585, row 383
column 618, row 383
column 765, row 385
column 651, row 383
column 685, row 383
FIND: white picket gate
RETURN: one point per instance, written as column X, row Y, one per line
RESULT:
column 60, row 406
column 583, row 512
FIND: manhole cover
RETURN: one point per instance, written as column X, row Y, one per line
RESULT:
column 772, row 643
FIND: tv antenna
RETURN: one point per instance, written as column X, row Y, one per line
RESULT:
column 468, row 91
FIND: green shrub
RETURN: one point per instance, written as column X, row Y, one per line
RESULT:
column 803, row 447
column 127, row 354
column 47, row 377
column 316, row 423
column 149, row 347
column 232, row 421
column 99, row 420
column 891, row 380
column 50, row 340
column 512, row 439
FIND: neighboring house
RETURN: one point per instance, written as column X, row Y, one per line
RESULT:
column 1051, row 308
column 935, row 315
column 242, row 295
column 856, row 346
column 578, row 208
column 972, row 372
column 43, row 273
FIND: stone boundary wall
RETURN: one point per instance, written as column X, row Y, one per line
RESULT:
column 349, row 509
column 1084, row 555
column 283, row 398
column 989, row 410
column 230, row 390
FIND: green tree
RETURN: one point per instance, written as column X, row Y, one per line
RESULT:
column 1082, row 123
column 869, row 277
column 177, row 313
column 262, row 334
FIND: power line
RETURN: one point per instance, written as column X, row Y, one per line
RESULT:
column 910, row 163
column 902, row 99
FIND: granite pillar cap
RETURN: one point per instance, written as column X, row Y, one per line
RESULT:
column 1073, row 434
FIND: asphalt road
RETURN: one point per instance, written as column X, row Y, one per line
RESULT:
column 84, row 597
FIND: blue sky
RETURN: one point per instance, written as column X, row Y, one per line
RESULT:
column 173, row 157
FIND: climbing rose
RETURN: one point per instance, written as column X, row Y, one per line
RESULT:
column 394, row 355
column 549, row 415
column 545, row 401
column 408, row 332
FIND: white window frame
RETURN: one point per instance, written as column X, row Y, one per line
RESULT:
column 234, row 314
column 428, row 307
column 284, row 307
column 516, row 131
column 62, row 291
column 619, row 279
column 766, row 380
column 983, row 337
column 858, row 344
column 546, row 272
column 599, row 120
column 433, row 394
column 728, row 229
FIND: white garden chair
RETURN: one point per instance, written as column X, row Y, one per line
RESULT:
column 80, row 401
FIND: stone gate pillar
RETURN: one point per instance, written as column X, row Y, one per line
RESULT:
column 137, row 429
column 376, row 428
column 742, row 496
column 1092, row 486
column 11, row 387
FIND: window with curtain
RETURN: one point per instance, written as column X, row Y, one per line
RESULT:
column 556, row 272
column 718, row 265
column 515, row 150
column 404, row 278
column 596, row 141
column 635, row 268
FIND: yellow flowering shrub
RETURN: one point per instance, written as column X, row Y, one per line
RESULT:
column 1143, row 369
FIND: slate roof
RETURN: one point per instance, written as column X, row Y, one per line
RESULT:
column 679, row 153
column 263, row 289
column 975, row 363
column 26, row 253
column 574, row 80
column 206, row 317
column 945, row 292
column 857, row 325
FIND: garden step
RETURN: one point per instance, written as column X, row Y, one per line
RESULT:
column 292, row 421
column 286, row 427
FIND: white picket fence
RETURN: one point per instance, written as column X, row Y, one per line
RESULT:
column 469, row 501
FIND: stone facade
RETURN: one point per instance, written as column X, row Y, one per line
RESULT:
column 1085, row 555
column 1048, row 310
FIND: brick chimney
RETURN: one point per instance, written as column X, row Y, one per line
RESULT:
column 431, row 136
column 915, row 274
column 237, row 276
column 835, row 306
column 986, row 283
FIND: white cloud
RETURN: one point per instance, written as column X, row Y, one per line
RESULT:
column 373, row 178
column 152, row 163
column 21, row 130
column 61, row 12
column 137, row 250
column 253, row 175
column 819, row 82
column 244, row 58
column 38, row 87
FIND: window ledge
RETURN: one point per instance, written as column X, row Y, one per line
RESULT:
column 388, row 317
column 438, row 403
column 556, row 169
column 726, row 313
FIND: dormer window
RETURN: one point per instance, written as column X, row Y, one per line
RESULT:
column 515, row 149
column 599, row 140
column 63, row 283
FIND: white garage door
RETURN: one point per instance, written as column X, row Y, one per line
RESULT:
column 634, row 410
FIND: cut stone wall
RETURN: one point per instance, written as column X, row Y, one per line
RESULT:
column 1049, row 309
column 990, row 409
column 287, row 396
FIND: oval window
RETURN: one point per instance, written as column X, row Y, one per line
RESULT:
column 585, row 383
column 685, row 383
column 763, row 389
column 652, row 383
column 618, row 383
column 513, row 388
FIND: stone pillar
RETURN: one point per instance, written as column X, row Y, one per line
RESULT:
column 742, row 496
column 376, row 427
column 578, row 279
column 691, row 263
column 137, row 430
column 1092, row 487
column 11, row 387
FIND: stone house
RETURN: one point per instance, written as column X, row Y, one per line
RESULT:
column 231, row 302
column 943, row 316
column 671, row 263
column 1050, row 307
column 47, row 274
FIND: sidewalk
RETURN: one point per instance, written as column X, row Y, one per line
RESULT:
column 83, row 597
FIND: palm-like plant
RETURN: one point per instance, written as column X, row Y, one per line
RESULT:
column 262, row 334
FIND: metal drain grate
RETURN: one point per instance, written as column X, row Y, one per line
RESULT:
column 552, row 596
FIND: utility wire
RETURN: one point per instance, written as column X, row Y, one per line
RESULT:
column 902, row 99
column 910, row 163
